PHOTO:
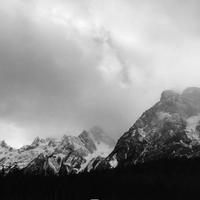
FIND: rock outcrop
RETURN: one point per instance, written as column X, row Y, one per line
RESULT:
column 52, row 156
column 168, row 130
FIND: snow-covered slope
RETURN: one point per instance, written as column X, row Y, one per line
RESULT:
column 69, row 154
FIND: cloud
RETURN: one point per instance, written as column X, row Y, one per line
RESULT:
column 68, row 65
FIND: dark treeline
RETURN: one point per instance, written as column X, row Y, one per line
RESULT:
column 153, row 180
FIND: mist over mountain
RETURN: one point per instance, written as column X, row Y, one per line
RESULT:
column 56, row 156
column 168, row 130
column 159, row 154
column 70, row 65
column 127, row 68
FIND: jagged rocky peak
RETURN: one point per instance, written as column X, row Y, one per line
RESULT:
column 169, row 129
column 52, row 142
column 190, row 95
column 169, row 95
column 37, row 141
column 71, row 141
column 69, row 154
column 85, row 134
column 87, row 139
column 187, row 103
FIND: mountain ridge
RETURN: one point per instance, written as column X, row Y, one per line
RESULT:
column 169, row 129
column 50, row 156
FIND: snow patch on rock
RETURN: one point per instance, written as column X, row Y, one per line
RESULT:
column 192, row 123
column 163, row 115
column 113, row 162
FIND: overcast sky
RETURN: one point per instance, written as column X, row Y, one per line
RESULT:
column 68, row 65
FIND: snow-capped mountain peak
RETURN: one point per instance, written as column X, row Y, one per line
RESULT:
column 53, row 156
column 170, row 129
column 37, row 141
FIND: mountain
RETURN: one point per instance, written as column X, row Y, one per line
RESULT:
column 168, row 130
column 51, row 156
column 157, row 158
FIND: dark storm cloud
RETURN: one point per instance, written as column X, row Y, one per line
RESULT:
column 66, row 66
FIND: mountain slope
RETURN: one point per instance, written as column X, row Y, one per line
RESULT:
column 170, row 129
column 52, row 156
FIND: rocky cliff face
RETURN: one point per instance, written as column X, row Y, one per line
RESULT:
column 168, row 130
column 51, row 156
